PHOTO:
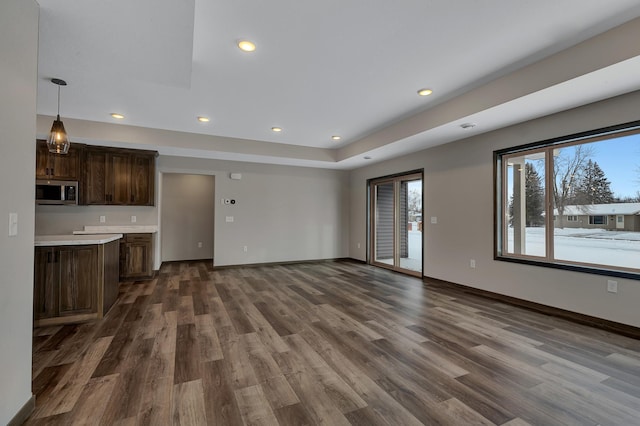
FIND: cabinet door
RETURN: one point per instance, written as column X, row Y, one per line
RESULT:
column 65, row 166
column 135, row 256
column 119, row 182
column 95, row 184
column 142, row 179
column 42, row 160
column 138, row 260
column 45, row 294
column 78, row 279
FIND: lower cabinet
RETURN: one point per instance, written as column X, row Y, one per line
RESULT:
column 74, row 283
column 135, row 256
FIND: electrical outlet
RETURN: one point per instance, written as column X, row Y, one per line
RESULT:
column 612, row 286
column 434, row 219
column 229, row 219
column 199, row 244
column 358, row 245
column 245, row 249
column 134, row 219
column 472, row 263
column 103, row 219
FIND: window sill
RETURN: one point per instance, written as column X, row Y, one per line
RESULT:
column 571, row 267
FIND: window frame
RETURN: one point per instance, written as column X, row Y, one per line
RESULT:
column 500, row 194
column 592, row 219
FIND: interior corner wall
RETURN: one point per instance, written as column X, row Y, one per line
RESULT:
column 458, row 190
column 18, row 80
column 281, row 213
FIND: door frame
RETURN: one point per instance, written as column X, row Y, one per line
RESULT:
column 371, row 235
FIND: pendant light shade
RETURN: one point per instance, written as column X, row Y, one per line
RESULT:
column 58, row 141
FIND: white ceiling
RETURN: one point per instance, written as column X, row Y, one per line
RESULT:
column 322, row 68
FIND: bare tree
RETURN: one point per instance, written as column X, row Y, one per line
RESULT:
column 568, row 165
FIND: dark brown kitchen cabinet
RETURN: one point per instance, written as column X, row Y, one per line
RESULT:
column 65, row 281
column 58, row 166
column 135, row 256
column 45, row 294
column 119, row 177
column 78, row 272
column 74, row 283
column 142, row 179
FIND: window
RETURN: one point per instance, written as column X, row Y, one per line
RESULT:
column 545, row 192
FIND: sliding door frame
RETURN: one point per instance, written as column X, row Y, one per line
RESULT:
column 396, row 179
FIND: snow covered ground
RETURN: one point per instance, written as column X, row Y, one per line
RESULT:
column 597, row 246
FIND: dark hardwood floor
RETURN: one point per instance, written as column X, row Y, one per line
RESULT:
column 331, row 343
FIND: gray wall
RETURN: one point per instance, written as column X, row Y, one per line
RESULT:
column 18, row 78
column 458, row 185
column 281, row 213
column 187, row 216
column 52, row 220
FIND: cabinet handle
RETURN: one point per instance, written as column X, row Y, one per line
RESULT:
column 46, row 171
column 52, row 172
column 48, row 257
column 132, row 198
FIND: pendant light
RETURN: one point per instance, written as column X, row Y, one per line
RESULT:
column 58, row 141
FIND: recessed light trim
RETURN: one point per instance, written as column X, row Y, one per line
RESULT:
column 276, row 129
column 425, row 92
column 246, row 46
column 117, row 115
column 336, row 137
column 203, row 119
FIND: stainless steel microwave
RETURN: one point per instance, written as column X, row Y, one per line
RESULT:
column 56, row 192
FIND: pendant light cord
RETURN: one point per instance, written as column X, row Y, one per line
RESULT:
column 58, row 100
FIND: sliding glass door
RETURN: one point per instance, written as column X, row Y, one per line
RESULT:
column 396, row 223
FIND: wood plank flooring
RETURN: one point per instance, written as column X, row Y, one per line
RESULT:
column 333, row 343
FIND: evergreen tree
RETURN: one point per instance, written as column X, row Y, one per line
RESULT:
column 593, row 187
column 534, row 198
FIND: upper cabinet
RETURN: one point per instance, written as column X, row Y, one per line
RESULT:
column 57, row 166
column 118, row 177
column 106, row 176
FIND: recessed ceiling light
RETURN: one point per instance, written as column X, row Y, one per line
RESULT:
column 116, row 115
column 468, row 125
column 276, row 129
column 203, row 119
column 425, row 92
column 367, row 158
column 336, row 137
column 246, row 46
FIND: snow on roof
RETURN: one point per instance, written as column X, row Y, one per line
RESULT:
column 601, row 209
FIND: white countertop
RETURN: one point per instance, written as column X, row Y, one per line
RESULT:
column 118, row 229
column 74, row 240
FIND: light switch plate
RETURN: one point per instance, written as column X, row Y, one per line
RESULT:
column 13, row 224
column 229, row 218
column 434, row 219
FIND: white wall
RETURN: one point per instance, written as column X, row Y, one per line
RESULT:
column 281, row 213
column 187, row 216
column 18, row 78
column 458, row 190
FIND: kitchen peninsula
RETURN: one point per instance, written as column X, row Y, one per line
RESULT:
column 76, row 277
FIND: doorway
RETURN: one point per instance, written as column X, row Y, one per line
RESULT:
column 187, row 217
column 396, row 232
